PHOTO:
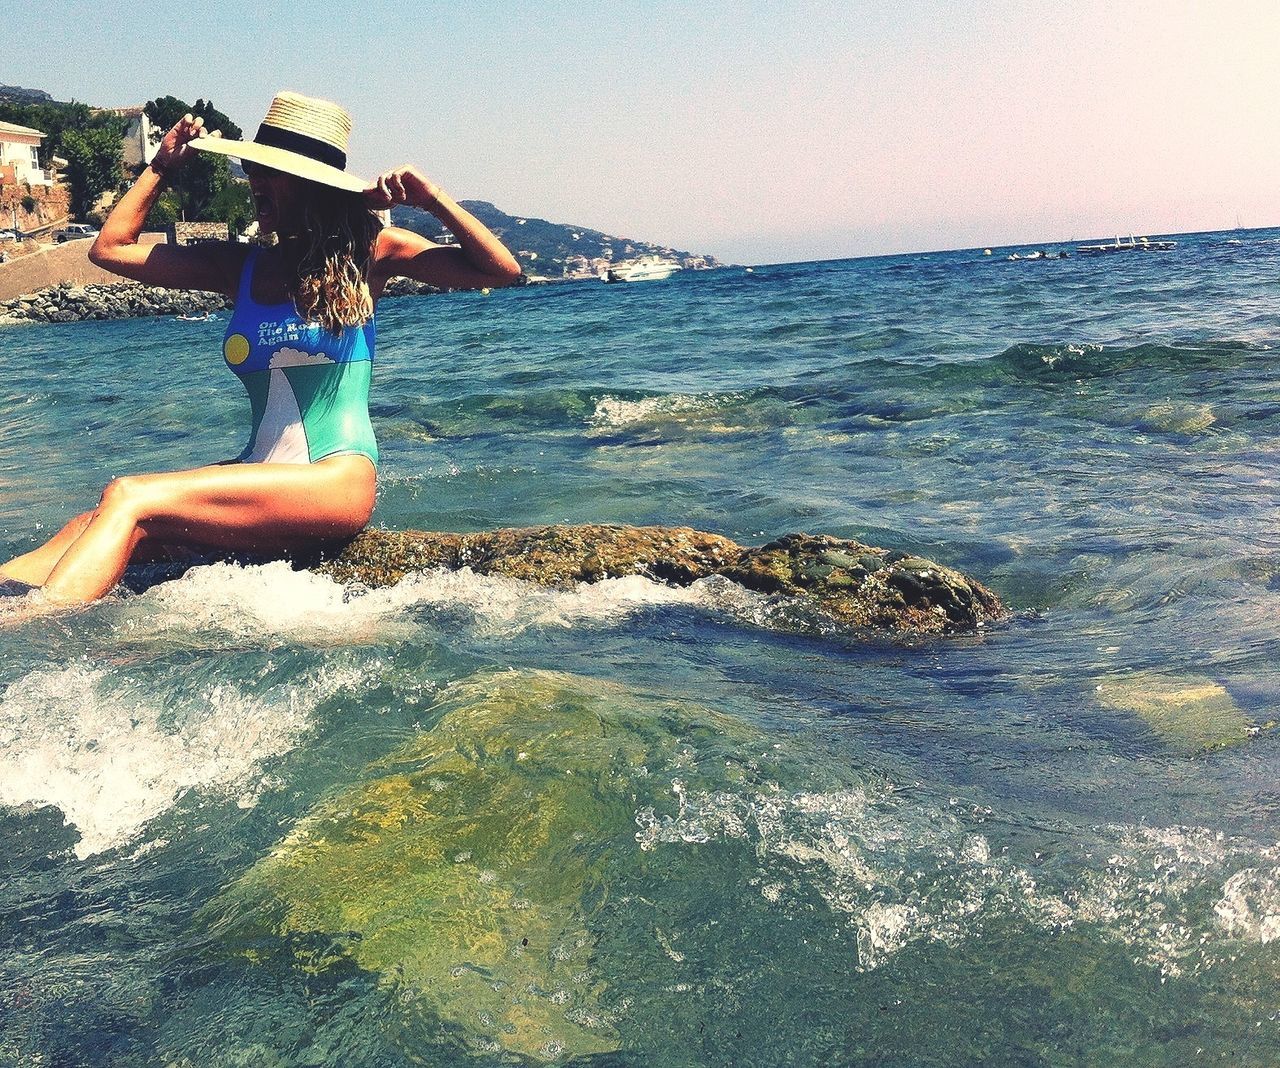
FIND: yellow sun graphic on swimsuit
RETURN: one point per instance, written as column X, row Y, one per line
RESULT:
column 236, row 349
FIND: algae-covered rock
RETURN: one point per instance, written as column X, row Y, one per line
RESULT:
column 548, row 556
column 466, row 868
column 1190, row 712
column 857, row 587
column 1178, row 418
column 865, row 588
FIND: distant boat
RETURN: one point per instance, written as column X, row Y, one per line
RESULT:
column 648, row 269
column 1038, row 254
column 1134, row 244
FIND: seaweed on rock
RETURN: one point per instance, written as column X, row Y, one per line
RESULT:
column 855, row 586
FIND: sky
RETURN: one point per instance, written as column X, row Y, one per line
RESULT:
column 755, row 131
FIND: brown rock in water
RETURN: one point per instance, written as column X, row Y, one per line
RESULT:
column 855, row 586
column 864, row 587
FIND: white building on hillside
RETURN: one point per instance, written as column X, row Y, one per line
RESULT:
column 20, row 155
column 141, row 139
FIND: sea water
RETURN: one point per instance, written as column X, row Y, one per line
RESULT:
column 251, row 818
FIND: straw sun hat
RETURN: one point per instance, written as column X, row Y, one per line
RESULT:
column 300, row 135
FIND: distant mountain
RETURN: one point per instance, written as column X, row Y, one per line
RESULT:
column 15, row 94
column 553, row 250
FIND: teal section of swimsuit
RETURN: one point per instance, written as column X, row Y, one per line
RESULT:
column 334, row 402
column 256, row 385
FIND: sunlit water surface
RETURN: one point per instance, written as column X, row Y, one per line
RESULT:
column 250, row 818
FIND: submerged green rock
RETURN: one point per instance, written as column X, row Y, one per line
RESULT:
column 466, row 868
column 559, row 869
column 1190, row 712
column 854, row 587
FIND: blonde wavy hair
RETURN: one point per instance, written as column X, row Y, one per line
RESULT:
column 332, row 288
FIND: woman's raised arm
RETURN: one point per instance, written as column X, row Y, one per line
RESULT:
column 478, row 261
column 212, row 267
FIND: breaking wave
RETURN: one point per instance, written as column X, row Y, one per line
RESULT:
column 273, row 601
column 113, row 753
column 905, row 873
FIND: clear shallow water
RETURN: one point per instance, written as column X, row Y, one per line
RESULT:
column 1013, row 848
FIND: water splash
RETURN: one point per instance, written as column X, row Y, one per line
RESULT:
column 114, row 753
column 906, row 872
column 273, row 602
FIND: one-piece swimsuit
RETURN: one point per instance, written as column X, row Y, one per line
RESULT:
column 309, row 389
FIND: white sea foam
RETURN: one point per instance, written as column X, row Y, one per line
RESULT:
column 273, row 601
column 264, row 603
column 501, row 605
column 112, row 755
column 906, row 872
column 613, row 413
column 1250, row 905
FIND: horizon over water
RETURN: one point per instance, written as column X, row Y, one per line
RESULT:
column 1066, row 244
column 252, row 817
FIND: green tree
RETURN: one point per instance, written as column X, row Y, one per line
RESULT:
column 93, row 165
column 204, row 188
column 233, row 205
column 164, row 212
column 57, row 120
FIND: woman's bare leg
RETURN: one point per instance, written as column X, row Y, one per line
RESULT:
column 246, row 507
column 33, row 568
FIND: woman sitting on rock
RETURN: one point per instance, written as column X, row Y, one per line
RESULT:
column 301, row 340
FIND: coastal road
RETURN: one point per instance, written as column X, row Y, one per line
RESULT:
column 56, row 264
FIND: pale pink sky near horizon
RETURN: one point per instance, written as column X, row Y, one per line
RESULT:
column 776, row 131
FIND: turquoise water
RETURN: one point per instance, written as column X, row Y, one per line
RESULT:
column 253, row 819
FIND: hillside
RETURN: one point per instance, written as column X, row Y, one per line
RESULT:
column 549, row 249
column 15, row 94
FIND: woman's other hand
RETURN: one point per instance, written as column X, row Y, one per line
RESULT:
column 402, row 185
column 175, row 149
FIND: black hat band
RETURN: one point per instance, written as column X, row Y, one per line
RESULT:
column 311, row 147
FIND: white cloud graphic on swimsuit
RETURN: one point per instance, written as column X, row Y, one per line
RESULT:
column 287, row 357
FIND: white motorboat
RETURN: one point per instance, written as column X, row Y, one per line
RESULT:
column 648, row 269
column 1138, row 244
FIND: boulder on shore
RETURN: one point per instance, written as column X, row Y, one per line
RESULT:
column 68, row 303
column 853, row 586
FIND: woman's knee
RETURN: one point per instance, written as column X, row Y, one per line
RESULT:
column 76, row 525
column 125, row 496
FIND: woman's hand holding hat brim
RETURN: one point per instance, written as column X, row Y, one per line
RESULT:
column 175, row 149
column 401, row 185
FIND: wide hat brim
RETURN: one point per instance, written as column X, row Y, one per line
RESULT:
column 281, row 159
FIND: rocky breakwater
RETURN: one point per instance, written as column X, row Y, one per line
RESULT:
column 67, row 303
column 818, row 583
column 127, row 300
